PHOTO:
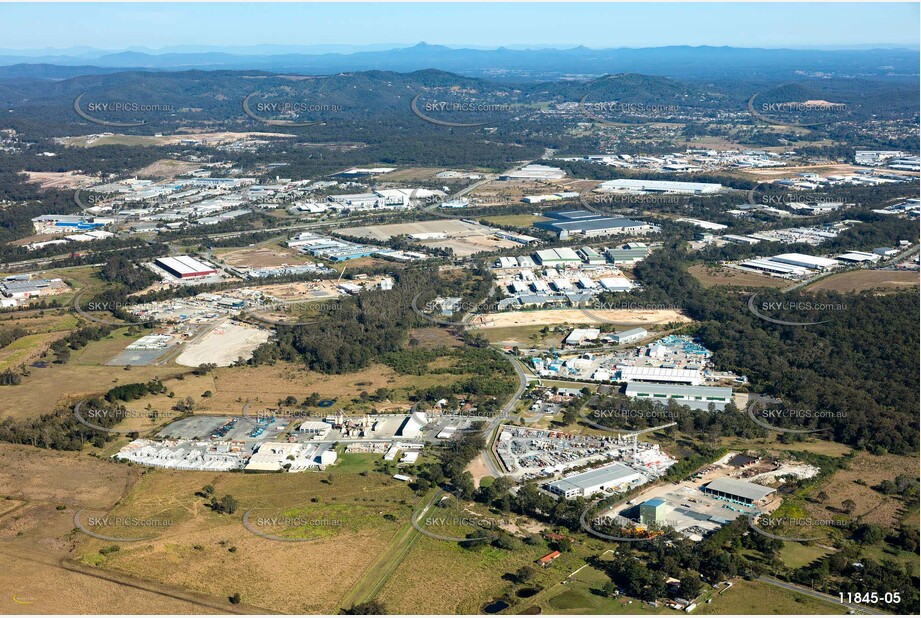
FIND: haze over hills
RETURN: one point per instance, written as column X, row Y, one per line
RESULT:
column 503, row 62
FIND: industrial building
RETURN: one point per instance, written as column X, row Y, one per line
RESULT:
column 24, row 289
column 185, row 267
column 586, row 484
column 669, row 375
column 805, row 261
column 412, row 425
column 641, row 187
column 735, row 490
column 578, row 336
column 65, row 224
column 555, row 257
column 697, row 397
column 652, row 512
column 535, row 172
column 582, row 222
column 628, row 254
column 628, row 336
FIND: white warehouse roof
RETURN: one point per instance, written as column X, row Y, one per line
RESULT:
column 808, row 261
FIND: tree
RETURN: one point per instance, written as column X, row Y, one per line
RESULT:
column 367, row 608
column 848, row 506
column 690, row 586
column 234, row 598
column 525, row 574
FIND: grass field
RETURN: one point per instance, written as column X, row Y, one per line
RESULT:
column 214, row 555
column 855, row 483
column 860, row 280
column 746, row 597
column 42, row 490
column 711, row 276
column 796, row 555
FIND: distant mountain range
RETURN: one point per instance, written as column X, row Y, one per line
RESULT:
column 505, row 64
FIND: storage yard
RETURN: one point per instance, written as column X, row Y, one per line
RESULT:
column 224, row 345
column 537, row 453
column 714, row 496
column 465, row 238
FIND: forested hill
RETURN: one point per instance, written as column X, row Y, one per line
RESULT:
column 213, row 99
column 858, row 371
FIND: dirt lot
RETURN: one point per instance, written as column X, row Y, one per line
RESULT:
column 261, row 257
column 577, row 316
column 860, row 280
column 454, row 228
column 166, row 168
column 500, row 192
column 223, row 345
column 711, row 276
column 60, row 180
column 165, row 140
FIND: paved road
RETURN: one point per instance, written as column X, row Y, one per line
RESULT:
column 860, row 609
column 492, row 464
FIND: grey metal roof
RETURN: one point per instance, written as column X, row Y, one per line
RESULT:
column 735, row 487
column 608, row 474
column 593, row 224
column 678, row 389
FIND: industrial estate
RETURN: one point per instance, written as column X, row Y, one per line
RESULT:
column 369, row 333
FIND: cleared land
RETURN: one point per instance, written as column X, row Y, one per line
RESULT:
column 60, row 180
column 860, row 280
column 855, row 483
column 223, row 345
column 711, row 276
column 755, row 597
column 118, row 139
column 637, row 317
column 214, row 555
column 463, row 238
column 261, row 257
column 264, row 386
column 36, row 536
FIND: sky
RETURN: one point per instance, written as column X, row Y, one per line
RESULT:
column 115, row 26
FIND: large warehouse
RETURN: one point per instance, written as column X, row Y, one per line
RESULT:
column 805, row 261
column 638, row 186
column 661, row 374
column 568, row 223
column 585, row 484
column 737, row 491
column 185, row 267
column 695, row 397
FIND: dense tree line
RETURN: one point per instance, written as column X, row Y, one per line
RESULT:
column 864, row 392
